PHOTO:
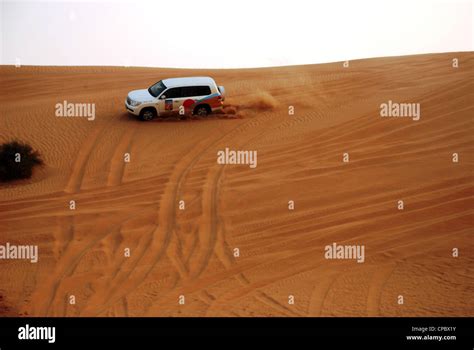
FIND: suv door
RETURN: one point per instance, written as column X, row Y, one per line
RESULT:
column 172, row 101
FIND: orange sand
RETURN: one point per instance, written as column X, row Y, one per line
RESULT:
column 190, row 252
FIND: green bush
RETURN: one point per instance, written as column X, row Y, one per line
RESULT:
column 10, row 167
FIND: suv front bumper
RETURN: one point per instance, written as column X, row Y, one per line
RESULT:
column 131, row 109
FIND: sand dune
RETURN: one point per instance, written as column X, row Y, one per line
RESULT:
column 190, row 252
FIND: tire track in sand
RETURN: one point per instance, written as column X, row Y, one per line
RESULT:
column 67, row 264
column 379, row 279
column 165, row 225
column 66, row 227
column 117, row 162
column 208, row 228
column 214, row 233
column 79, row 167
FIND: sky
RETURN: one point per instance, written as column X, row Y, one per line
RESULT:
column 228, row 33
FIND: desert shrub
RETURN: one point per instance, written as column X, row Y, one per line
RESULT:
column 17, row 160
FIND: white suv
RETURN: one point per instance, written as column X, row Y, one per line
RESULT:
column 196, row 95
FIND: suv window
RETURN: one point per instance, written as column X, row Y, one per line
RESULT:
column 156, row 89
column 173, row 93
column 189, row 91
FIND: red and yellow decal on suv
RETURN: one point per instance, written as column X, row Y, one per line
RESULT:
column 169, row 105
column 214, row 100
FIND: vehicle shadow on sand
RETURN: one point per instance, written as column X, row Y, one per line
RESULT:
column 178, row 119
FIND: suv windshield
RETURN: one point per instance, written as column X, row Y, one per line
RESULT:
column 156, row 89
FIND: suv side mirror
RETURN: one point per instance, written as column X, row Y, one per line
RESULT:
column 162, row 97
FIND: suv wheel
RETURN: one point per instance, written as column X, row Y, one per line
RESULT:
column 202, row 111
column 147, row 114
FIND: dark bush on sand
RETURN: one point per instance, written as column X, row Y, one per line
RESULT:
column 17, row 160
